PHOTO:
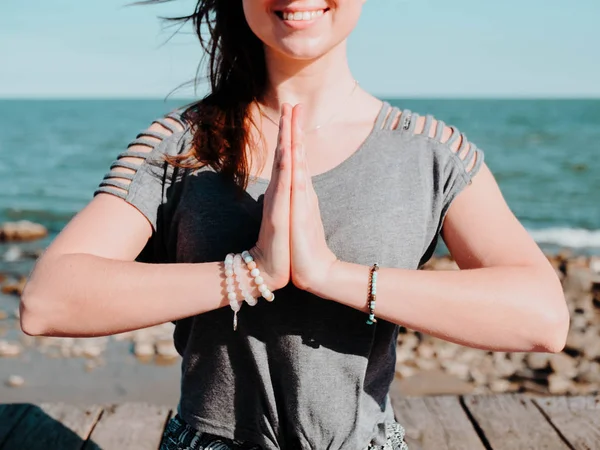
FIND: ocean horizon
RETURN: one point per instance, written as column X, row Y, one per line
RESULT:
column 54, row 152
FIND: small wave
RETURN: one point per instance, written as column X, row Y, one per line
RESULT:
column 36, row 215
column 567, row 237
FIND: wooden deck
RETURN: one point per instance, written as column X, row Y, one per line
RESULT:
column 469, row 422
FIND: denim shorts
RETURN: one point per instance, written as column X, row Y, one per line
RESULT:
column 179, row 435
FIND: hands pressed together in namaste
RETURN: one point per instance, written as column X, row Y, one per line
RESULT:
column 291, row 243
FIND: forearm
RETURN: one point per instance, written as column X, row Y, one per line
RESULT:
column 500, row 308
column 86, row 295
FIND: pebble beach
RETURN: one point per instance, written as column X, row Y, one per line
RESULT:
column 143, row 365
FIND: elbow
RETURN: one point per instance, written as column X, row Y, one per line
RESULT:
column 551, row 315
column 33, row 313
column 30, row 319
column 555, row 329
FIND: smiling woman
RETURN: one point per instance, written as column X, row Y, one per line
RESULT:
column 333, row 208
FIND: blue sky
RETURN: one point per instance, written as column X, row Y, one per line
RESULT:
column 401, row 48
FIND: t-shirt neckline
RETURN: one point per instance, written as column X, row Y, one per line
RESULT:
column 323, row 175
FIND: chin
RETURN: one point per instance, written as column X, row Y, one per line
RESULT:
column 302, row 29
column 301, row 49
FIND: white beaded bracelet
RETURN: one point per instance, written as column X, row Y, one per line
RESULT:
column 230, row 283
column 255, row 272
column 240, row 275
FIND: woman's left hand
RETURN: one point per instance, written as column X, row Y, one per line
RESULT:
column 311, row 258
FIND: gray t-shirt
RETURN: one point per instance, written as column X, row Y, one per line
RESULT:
column 301, row 372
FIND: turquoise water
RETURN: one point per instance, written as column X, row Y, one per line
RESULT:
column 545, row 155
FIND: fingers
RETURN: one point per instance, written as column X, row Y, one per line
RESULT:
column 277, row 197
column 297, row 125
column 284, row 141
column 300, row 173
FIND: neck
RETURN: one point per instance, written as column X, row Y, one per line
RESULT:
column 322, row 85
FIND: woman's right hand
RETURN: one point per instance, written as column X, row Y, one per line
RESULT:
column 272, row 250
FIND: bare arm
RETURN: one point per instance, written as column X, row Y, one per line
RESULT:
column 507, row 298
column 87, row 283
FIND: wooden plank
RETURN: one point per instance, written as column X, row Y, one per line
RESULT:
column 132, row 426
column 10, row 415
column 576, row 418
column 435, row 423
column 57, row 426
column 513, row 422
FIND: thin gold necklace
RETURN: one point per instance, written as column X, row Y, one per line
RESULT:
column 264, row 113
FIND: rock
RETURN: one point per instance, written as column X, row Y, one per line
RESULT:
column 143, row 350
column 578, row 279
column 563, row 365
column 22, row 230
column 504, row 366
column 578, row 323
column 92, row 351
column 517, row 358
column 478, row 376
column 166, row 349
column 589, row 372
column 404, row 354
column 405, row 371
column 9, row 348
column 426, row 350
column 408, row 341
column 15, row 288
column 559, row 384
column 591, row 346
column 427, row 364
column 500, row 386
column 537, row 360
column 446, row 350
column 15, row 381
column 469, row 355
column 459, row 369
column 13, row 254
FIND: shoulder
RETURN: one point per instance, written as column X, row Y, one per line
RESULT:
column 164, row 132
column 145, row 155
column 445, row 141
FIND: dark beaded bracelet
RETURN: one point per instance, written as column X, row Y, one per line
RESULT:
column 372, row 293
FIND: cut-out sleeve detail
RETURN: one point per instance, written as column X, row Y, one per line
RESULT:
column 139, row 174
column 427, row 126
column 439, row 130
column 467, row 157
column 453, row 161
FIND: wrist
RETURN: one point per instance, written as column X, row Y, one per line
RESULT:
column 272, row 282
column 260, row 282
column 319, row 285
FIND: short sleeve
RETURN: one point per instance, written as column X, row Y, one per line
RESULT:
column 140, row 175
column 464, row 162
column 456, row 161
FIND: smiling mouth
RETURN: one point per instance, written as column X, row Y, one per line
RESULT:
column 301, row 16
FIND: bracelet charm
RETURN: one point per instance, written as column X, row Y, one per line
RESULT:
column 372, row 294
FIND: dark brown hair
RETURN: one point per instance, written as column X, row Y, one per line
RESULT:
column 236, row 69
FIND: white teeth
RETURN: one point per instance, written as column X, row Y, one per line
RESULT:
column 302, row 15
